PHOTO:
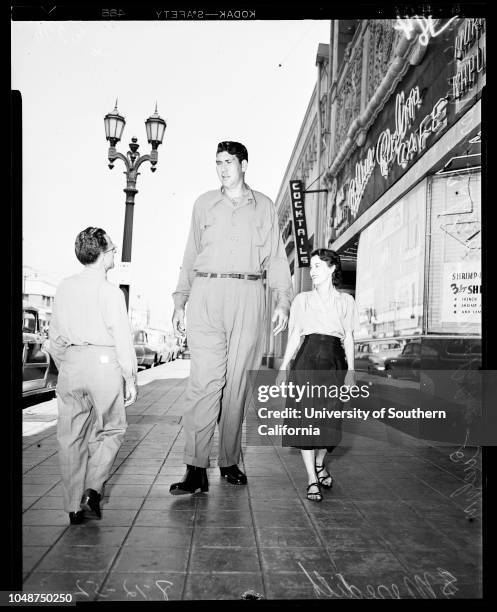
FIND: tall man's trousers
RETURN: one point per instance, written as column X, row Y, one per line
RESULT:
column 92, row 419
column 225, row 324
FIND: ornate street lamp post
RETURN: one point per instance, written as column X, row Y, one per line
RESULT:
column 114, row 126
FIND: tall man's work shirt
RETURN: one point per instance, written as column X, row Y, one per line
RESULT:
column 89, row 310
column 243, row 239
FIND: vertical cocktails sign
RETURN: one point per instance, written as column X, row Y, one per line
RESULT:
column 299, row 224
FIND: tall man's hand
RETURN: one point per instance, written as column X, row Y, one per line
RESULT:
column 280, row 317
column 179, row 322
column 130, row 393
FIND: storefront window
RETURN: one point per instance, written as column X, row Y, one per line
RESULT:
column 454, row 285
column 390, row 269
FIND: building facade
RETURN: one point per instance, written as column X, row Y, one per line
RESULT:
column 306, row 164
column 400, row 157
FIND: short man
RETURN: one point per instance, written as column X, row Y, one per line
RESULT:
column 92, row 346
column 234, row 236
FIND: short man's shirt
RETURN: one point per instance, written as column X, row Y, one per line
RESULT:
column 242, row 238
column 89, row 310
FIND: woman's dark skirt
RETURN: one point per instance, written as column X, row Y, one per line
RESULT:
column 319, row 361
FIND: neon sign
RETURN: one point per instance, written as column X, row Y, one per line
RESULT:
column 427, row 25
column 392, row 147
column 476, row 139
column 470, row 33
column 470, row 60
column 401, row 147
column 357, row 185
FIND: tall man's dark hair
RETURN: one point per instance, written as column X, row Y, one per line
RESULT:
column 233, row 148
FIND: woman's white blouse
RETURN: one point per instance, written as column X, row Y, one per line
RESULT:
column 310, row 314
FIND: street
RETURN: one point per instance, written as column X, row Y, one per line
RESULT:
column 395, row 523
column 352, row 241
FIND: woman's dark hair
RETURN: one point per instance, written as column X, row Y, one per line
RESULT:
column 233, row 148
column 332, row 259
column 89, row 244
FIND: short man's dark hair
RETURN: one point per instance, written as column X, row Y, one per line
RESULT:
column 89, row 244
column 233, row 148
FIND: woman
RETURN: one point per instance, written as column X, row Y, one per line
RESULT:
column 326, row 318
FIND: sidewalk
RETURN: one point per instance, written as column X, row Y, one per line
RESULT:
column 394, row 524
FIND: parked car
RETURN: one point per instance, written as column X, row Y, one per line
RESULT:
column 146, row 353
column 370, row 355
column 184, row 351
column 158, row 342
column 431, row 373
column 39, row 372
column 434, row 354
column 174, row 347
column 408, row 362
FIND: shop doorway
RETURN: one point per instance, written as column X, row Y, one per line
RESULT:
column 348, row 258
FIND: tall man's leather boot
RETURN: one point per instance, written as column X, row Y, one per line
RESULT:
column 195, row 479
column 91, row 502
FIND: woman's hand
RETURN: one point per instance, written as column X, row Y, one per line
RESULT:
column 281, row 376
column 350, row 378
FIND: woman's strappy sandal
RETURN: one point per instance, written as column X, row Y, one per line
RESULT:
column 322, row 479
column 317, row 496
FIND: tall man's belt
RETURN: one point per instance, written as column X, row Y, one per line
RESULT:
column 90, row 344
column 242, row 276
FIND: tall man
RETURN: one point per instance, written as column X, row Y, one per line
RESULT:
column 234, row 236
column 92, row 346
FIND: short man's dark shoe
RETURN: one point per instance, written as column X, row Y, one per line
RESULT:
column 233, row 475
column 91, row 502
column 194, row 480
column 76, row 518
